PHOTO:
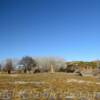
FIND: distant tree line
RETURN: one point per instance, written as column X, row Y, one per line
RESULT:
column 29, row 64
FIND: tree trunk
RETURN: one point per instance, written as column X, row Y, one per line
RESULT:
column 25, row 70
column 9, row 71
column 51, row 69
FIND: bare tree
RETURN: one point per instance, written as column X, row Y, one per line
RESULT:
column 45, row 63
column 8, row 66
column 0, row 67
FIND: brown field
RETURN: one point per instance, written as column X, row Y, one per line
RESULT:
column 44, row 86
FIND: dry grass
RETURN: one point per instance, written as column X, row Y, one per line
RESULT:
column 55, row 85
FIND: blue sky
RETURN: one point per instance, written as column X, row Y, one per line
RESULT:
column 63, row 28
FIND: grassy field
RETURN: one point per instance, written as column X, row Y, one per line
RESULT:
column 47, row 86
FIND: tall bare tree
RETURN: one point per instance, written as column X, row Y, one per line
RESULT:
column 0, row 67
column 45, row 63
column 8, row 66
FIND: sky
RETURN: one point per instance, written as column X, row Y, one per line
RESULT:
column 61, row 28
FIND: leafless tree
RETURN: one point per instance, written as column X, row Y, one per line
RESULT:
column 0, row 67
column 45, row 63
column 8, row 66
